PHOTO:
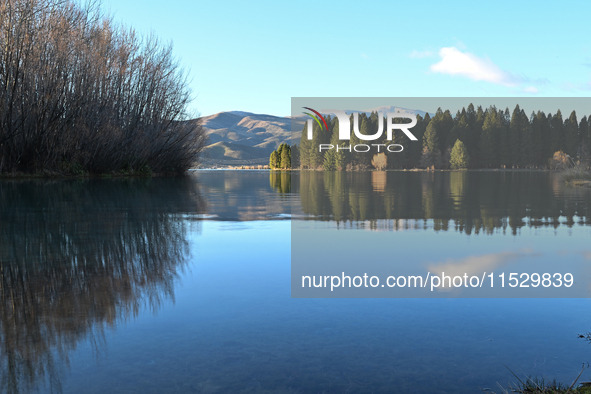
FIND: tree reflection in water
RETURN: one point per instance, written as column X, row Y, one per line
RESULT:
column 467, row 201
column 79, row 256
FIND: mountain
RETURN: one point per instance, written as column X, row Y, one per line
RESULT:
column 238, row 137
column 245, row 128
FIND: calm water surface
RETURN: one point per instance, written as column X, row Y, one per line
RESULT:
column 182, row 285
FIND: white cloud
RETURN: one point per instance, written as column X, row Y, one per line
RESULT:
column 421, row 54
column 455, row 62
column 473, row 265
column 531, row 89
column 476, row 265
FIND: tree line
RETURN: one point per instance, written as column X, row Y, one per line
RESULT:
column 483, row 138
column 79, row 93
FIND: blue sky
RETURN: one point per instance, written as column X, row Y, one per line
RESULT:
column 254, row 56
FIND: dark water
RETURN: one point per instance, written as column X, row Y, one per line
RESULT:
column 183, row 285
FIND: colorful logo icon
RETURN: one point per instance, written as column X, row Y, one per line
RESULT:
column 317, row 117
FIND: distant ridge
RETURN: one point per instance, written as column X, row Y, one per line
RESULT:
column 248, row 129
column 392, row 108
column 245, row 136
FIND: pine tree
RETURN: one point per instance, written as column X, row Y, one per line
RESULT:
column 462, row 130
column 477, row 134
column 273, row 160
column 459, row 156
column 415, row 147
column 571, row 135
column 329, row 163
column 431, row 153
column 556, row 132
column 541, row 139
column 443, row 129
column 336, row 158
column 547, row 137
column 471, row 115
column 515, row 137
column 584, row 131
column 316, row 158
column 503, row 150
column 527, row 154
column 584, row 149
column 431, row 139
column 453, row 135
column 489, row 138
column 364, row 128
column 285, row 157
column 537, row 140
column 304, row 149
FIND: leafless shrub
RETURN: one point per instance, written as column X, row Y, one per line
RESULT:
column 80, row 93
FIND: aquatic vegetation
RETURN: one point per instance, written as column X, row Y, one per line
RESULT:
column 538, row 385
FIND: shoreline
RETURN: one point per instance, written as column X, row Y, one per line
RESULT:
column 57, row 175
column 388, row 170
column 134, row 174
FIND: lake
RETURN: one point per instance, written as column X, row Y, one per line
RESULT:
column 184, row 285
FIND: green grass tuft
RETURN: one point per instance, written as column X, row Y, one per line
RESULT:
column 540, row 386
